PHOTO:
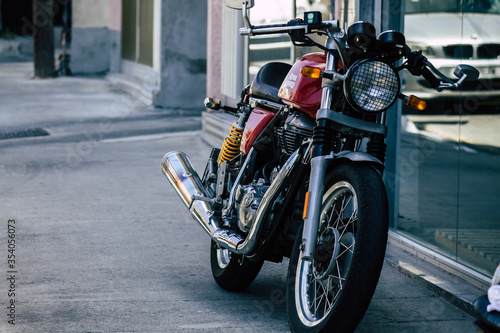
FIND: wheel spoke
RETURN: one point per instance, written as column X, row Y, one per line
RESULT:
column 350, row 222
column 347, row 249
column 327, row 303
column 339, row 214
column 339, row 276
column 316, row 302
column 331, row 215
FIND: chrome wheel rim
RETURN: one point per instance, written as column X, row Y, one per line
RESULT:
column 320, row 281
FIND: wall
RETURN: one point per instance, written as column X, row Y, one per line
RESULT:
column 115, row 26
column 183, row 54
column 214, row 48
column 96, row 42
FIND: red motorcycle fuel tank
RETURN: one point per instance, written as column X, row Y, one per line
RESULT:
column 258, row 120
column 302, row 92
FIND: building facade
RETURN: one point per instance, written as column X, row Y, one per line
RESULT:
column 161, row 44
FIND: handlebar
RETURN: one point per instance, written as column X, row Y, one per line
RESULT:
column 286, row 28
column 429, row 77
column 418, row 64
column 269, row 29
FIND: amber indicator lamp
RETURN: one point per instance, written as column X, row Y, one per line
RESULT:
column 311, row 72
column 416, row 103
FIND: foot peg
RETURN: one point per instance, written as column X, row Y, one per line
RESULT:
column 215, row 104
column 212, row 103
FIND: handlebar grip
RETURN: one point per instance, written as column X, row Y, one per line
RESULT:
column 427, row 74
column 269, row 29
column 257, row 27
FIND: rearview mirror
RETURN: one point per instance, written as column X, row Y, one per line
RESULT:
column 471, row 72
column 238, row 4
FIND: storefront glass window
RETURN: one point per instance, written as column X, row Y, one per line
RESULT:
column 267, row 48
column 449, row 164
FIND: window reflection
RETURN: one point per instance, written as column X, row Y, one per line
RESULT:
column 450, row 152
column 277, row 47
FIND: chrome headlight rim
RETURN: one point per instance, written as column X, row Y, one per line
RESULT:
column 376, row 93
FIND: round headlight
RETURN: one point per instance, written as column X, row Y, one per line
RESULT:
column 371, row 86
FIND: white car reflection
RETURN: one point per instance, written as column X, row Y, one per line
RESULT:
column 451, row 32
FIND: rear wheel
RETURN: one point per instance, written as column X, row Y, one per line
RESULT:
column 332, row 291
column 232, row 271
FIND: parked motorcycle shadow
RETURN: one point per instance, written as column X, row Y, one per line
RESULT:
column 262, row 302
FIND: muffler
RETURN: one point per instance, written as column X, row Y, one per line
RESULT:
column 178, row 169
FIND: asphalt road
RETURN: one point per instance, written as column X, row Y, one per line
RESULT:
column 103, row 244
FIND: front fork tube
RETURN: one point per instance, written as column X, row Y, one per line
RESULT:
column 311, row 223
column 319, row 164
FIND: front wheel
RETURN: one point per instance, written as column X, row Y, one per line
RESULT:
column 332, row 291
column 231, row 271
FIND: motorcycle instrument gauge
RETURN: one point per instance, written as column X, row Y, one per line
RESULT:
column 361, row 37
column 371, row 86
column 391, row 45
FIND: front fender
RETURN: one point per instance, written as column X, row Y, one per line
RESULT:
column 355, row 156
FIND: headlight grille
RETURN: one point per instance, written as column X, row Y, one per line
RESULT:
column 371, row 86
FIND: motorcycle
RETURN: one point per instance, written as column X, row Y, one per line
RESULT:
column 300, row 173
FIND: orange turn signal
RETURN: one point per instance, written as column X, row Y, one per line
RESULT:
column 416, row 103
column 311, row 72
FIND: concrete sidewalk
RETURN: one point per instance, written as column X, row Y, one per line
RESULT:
column 65, row 108
column 72, row 108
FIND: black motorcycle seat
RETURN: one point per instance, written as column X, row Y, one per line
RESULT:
column 267, row 82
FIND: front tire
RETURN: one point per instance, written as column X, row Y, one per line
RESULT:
column 229, row 271
column 350, row 250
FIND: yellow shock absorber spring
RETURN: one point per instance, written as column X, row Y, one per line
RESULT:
column 231, row 146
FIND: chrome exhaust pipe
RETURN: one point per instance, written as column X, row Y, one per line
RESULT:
column 177, row 167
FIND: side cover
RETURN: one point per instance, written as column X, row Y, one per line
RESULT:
column 257, row 122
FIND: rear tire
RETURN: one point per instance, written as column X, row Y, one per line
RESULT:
column 229, row 272
column 349, row 254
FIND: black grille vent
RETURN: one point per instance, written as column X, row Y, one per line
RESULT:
column 488, row 51
column 466, row 51
column 458, row 51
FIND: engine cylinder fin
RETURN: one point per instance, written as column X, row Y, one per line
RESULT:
column 290, row 138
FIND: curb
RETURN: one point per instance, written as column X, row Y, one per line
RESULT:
column 425, row 267
column 107, row 129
